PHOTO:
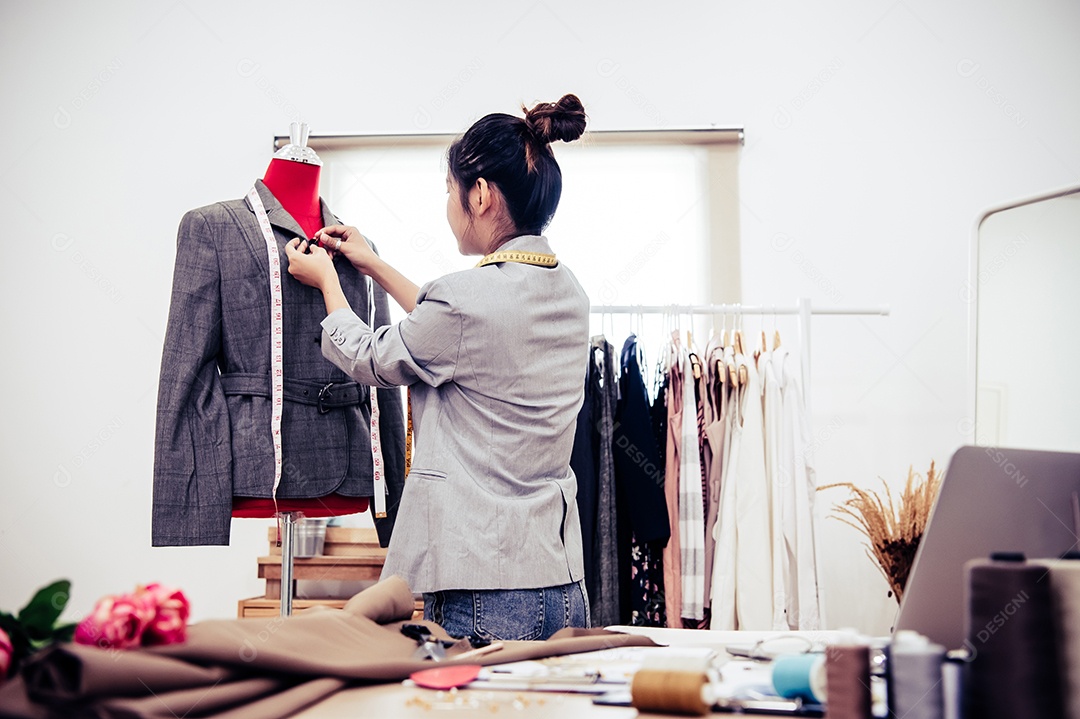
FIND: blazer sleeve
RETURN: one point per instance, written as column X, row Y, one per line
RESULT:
column 423, row 347
column 192, row 500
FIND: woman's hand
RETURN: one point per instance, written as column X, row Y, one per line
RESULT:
column 314, row 268
column 349, row 242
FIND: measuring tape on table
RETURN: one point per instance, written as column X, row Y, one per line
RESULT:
column 539, row 259
column 277, row 378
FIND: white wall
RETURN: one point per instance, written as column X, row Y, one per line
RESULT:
column 876, row 133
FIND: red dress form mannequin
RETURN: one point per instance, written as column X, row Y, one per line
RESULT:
column 296, row 186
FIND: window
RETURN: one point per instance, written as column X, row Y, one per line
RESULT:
column 645, row 217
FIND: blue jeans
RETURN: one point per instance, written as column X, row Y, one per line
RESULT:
column 509, row 614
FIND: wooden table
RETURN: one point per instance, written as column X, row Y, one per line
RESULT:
column 396, row 700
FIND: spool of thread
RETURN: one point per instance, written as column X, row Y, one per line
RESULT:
column 1065, row 594
column 800, row 676
column 915, row 679
column 952, row 683
column 671, row 691
column 1010, row 634
column 847, row 680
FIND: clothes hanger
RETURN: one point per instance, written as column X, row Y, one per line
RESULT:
column 659, row 371
column 732, row 369
column 635, row 330
column 690, row 332
column 720, row 373
column 738, row 329
column 670, row 335
column 744, row 375
column 764, row 347
column 691, row 354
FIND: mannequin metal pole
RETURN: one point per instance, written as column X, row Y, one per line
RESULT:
column 287, row 526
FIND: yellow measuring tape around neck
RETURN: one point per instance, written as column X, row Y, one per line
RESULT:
column 526, row 258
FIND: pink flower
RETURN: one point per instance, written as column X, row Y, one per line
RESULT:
column 169, row 624
column 5, row 654
column 117, row 622
column 153, row 614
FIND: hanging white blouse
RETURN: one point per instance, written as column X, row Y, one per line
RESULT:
column 779, row 486
column 753, row 528
column 804, row 599
column 742, row 572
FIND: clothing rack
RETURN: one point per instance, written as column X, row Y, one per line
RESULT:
column 803, row 309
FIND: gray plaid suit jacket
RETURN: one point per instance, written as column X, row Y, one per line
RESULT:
column 213, row 438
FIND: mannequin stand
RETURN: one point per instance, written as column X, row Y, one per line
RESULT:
column 350, row 554
column 283, row 537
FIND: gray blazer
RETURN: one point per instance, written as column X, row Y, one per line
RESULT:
column 493, row 356
column 213, row 437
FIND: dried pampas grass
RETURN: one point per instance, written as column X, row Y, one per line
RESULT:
column 894, row 531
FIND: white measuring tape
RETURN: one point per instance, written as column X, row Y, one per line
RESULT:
column 277, row 379
column 378, row 481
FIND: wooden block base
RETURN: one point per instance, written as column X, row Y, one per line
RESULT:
column 261, row 607
column 339, row 568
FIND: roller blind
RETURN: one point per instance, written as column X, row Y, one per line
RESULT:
column 645, row 217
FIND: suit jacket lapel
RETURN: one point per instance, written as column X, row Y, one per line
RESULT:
column 283, row 223
column 328, row 217
column 283, row 220
column 275, row 212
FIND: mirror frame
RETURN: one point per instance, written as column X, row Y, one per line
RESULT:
column 970, row 293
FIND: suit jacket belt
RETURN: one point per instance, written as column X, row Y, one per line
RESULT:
column 324, row 395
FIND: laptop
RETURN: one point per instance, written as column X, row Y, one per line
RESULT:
column 991, row 499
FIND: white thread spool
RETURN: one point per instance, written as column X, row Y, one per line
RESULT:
column 915, row 681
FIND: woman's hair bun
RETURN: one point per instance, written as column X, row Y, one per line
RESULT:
column 563, row 120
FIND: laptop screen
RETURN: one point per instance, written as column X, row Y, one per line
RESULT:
column 992, row 499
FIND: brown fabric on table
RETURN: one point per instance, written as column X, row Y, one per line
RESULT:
column 240, row 700
column 255, row 668
column 72, row 672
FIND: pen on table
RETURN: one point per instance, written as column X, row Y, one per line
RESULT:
column 493, row 647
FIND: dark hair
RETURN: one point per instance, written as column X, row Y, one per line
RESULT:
column 514, row 154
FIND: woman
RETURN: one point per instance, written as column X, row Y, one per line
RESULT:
column 488, row 529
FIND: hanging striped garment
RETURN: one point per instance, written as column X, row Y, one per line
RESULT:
column 691, row 504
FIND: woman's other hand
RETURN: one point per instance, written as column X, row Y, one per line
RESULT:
column 352, row 245
column 314, row 268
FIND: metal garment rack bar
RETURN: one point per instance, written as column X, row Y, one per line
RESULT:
column 803, row 309
column 732, row 309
